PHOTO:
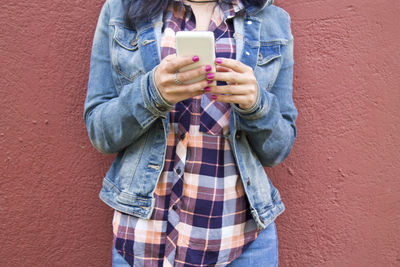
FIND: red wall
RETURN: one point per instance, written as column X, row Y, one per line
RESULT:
column 340, row 184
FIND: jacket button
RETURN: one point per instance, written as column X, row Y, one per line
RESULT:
column 134, row 42
column 248, row 180
column 159, row 107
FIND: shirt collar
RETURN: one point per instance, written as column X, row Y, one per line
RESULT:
column 230, row 10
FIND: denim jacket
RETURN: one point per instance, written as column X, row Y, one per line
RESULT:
column 125, row 113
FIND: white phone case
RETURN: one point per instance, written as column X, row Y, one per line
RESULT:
column 200, row 43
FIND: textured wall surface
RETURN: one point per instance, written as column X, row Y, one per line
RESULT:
column 340, row 185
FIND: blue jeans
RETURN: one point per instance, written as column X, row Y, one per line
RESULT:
column 263, row 252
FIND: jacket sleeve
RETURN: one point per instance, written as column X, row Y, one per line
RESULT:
column 270, row 126
column 114, row 120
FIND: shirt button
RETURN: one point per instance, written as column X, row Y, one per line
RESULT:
column 237, row 135
column 182, row 136
column 178, row 171
column 174, row 207
column 248, row 180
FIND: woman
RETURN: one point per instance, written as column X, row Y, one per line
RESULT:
column 188, row 185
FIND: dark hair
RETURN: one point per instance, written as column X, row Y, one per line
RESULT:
column 147, row 10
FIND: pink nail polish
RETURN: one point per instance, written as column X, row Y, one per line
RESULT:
column 208, row 68
column 195, row 58
column 210, row 76
column 214, row 97
column 209, row 81
column 207, row 89
column 218, row 61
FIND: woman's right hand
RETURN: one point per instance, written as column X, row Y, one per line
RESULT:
column 165, row 80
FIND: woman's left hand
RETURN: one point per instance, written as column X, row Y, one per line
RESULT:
column 241, row 85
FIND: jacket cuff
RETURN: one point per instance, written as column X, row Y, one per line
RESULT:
column 256, row 110
column 161, row 106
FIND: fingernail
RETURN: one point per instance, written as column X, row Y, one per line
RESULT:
column 208, row 68
column 218, row 60
column 195, row 58
column 209, row 81
column 214, row 97
column 210, row 76
column 207, row 89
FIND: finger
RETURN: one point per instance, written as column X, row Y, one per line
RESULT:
column 187, row 89
column 175, row 63
column 193, row 73
column 170, row 56
column 229, row 77
column 230, row 89
column 223, row 69
column 189, row 92
column 233, row 64
column 236, row 99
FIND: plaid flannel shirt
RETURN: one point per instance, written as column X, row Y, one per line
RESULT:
column 201, row 215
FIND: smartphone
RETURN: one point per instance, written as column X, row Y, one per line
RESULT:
column 200, row 43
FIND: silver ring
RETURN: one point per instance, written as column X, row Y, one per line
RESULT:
column 176, row 78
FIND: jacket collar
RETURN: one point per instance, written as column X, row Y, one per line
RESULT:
column 251, row 10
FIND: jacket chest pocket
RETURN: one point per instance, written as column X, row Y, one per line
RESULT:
column 126, row 57
column 268, row 64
